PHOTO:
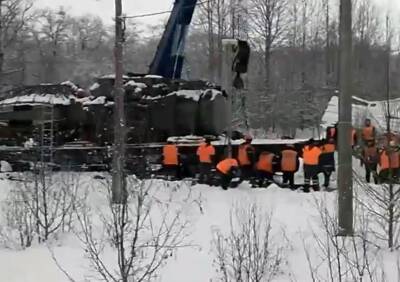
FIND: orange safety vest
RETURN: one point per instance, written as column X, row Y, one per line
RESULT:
column 311, row 155
column 170, row 153
column 205, row 152
column 243, row 156
column 289, row 160
column 368, row 133
column 265, row 162
column 328, row 148
column 384, row 160
column 225, row 166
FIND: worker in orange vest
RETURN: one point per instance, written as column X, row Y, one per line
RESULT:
column 171, row 160
column 205, row 153
column 331, row 132
column 368, row 132
column 327, row 160
column 370, row 161
column 289, row 165
column 265, row 169
column 227, row 169
column 389, row 163
column 246, row 154
column 311, row 153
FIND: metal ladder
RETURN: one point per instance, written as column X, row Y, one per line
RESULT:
column 47, row 135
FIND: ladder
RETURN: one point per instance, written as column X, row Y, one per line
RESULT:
column 47, row 129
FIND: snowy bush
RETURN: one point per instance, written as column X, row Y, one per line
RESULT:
column 18, row 229
column 39, row 207
column 337, row 258
column 141, row 235
column 248, row 252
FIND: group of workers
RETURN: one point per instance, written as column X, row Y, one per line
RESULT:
column 260, row 167
column 381, row 161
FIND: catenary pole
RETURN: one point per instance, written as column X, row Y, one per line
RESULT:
column 345, row 183
column 118, row 166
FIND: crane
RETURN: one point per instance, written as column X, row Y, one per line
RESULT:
column 169, row 58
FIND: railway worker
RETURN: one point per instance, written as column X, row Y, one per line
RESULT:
column 327, row 160
column 389, row 163
column 265, row 168
column 311, row 153
column 246, row 155
column 205, row 153
column 368, row 132
column 289, row 165
column 227, row 169
column 370, row 160
column 331, row 132
column 171, row 160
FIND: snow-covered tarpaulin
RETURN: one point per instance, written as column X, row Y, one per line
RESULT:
column 362, row 109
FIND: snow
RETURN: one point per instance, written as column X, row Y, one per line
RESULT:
column 5, row 166
column 94, row 86
column 189, row 94
column 70, row 84
column 292, row 211
column 213, row 93
column 153, row 76
column 101, row 100
column 112, row 76
column 132, row 83
column 33, row 99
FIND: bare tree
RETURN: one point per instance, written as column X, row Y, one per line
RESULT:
column 143, row 233
column 51, row 199
column 339, row 258
column 248, row 252
column 267, row 22
column 50, row 31
column 14, row 15
column 18, row 228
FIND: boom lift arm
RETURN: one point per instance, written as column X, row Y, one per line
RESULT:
column 169, row 58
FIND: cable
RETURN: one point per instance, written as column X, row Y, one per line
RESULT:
column 161, row 12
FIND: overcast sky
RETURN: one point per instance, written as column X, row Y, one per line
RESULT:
column 105, row 8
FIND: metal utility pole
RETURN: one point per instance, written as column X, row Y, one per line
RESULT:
column 119, row 195
column 345, row 182
column 1, row 42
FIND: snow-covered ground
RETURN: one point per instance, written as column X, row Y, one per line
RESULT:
column 294, row 212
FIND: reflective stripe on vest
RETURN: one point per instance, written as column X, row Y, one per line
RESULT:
column 170, row 153
column 205, row 152
column 265, row 162
column 225, row 166
column 311, row 155
column 289, row 160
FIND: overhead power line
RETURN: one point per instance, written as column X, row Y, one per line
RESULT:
column 161, row 12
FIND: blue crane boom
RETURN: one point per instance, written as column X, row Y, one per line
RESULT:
column 169, row 58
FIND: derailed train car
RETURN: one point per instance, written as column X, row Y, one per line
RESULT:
column 67, row 118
